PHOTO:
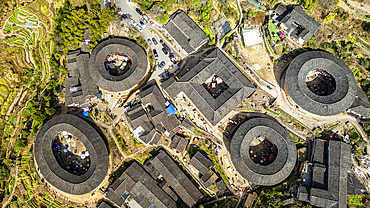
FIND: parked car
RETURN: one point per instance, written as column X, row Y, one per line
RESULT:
column 142, row 23
column 146, row 18
column 124, row 16
column 132, row 22
column 139, row 28
column 161, row 41
column 161, row 65
column 154, row 41
column 164, row 51
column 138, row 11
column 152, row 31
column 155, row 53
column 172, row 57
column 149, row 41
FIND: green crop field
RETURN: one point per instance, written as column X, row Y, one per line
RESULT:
column 273, row 31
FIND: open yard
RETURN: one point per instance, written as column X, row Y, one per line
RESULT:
column 128, row 143
column 258, row 57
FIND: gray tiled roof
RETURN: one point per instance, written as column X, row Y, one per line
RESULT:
column 209, row 178
column 104, row 205
column 191, row 82
column 221, row 186
column 354, row 185
column 222, row 27
column 186, row 32
column 333, row 104
column 303, row 193
column 179, row 143
column 280, row 9
column 130, row 78
column 153, row 96
column 174, row 176
column 77, row 63
column 297, row 15
column 186, row 123
column 201, row 163
column 361, row 104
column 338, row 165
column 156, row 119
column 114, row 197
column 319, row 151
column 273, row 173
column 330, row 182
column 320, row 176
column 49, row 167
column 137, row 117
column 142, row 188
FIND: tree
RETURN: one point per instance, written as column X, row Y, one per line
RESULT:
column 25, row 133
column 22, row 142
column 365, row 63
column 366, row 26
column 308, row 4
column 4, row 173
column 330, row 17
column 39, row 116
column 50, row 111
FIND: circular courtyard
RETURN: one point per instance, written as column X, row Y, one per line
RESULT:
column 71, row 155
column 117, row 64
column 262, row 151
column 320, row 83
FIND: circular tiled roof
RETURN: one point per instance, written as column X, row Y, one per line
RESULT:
column 273, row 173
column 130, row 78
column 335, row 103
column 53, row 173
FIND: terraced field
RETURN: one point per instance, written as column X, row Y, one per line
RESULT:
column 24, row 62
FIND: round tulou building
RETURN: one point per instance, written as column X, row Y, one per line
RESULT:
column 70, row 155
column 320, row 83
column 117, row 64
column 263, row 152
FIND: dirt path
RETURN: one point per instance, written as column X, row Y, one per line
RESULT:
column 359, row 6
column 17, row 97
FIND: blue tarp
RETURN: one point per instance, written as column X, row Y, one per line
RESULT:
column 86, row 113
column 171, row 110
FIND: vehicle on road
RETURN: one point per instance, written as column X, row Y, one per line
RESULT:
column 154, row 41
column 124, row 16
column 161, row 65
column 142, row 23
column 139, row 28
column 133, row 22
column 119, row 9
column 146, row 18
column 149, row 41
column 152, row 31
column 155, row 53
column 138, row 11
column 164, row 51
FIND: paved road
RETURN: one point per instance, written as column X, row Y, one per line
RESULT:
column 129, row 9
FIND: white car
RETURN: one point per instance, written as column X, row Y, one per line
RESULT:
column 133, row 22
column 139, row 28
